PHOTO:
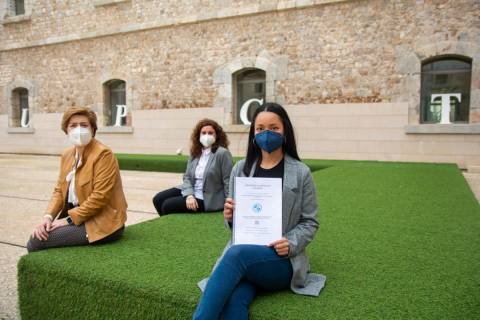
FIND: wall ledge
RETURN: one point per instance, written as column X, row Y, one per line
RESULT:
column 20, row 130
column 101, row 3
column 454, row 128
column 16, row 19
column 115, row 130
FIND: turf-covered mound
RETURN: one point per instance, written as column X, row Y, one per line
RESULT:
column 397, row 241
column 174, row 163
column 151, row 273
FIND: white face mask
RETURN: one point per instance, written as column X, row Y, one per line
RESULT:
column 79, row 136
column 207, row 140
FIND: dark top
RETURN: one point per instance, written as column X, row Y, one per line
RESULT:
column 275, row 172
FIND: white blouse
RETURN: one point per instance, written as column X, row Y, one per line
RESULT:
column 199, row 171
column 72, row 193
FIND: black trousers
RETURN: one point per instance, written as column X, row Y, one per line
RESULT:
column 172, row 201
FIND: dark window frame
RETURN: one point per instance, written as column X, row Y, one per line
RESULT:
column 115, row 90
column 461, row 110
column 16, row 7
column 242, row 78
column 20, row 100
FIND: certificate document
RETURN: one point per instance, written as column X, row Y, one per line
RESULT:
column 257, row 218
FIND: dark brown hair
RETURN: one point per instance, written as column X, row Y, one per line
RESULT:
column 196, row 146
column 79, row 111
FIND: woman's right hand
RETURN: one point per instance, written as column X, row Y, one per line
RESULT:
column 42, row 230
column 191, row 203
column 228, row 209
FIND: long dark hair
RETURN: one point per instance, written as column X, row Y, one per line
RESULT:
column 289, row 145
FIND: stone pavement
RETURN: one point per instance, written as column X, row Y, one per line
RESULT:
column 472, row 175
column 26, row 183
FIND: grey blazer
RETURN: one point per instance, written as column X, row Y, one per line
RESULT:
column 215, row 179
column 299, row 222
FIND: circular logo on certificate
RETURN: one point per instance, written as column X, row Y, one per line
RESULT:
column 257, row 207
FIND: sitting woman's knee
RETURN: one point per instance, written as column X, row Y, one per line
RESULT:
column 235, row 252
column 158, row 202
column 34, row 244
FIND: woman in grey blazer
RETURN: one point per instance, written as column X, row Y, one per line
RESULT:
column 244, row 269
column 206, row 180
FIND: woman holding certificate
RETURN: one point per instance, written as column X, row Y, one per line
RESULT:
column 245, row 269
column 205, row 182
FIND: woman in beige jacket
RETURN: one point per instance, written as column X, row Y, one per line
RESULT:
column 88, row 205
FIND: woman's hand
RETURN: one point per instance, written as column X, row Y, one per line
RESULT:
column 228, row 209
column 281, row 246
column 42, row 230
column 59, row 223
column 192, row 203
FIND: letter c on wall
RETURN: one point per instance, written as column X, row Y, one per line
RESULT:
column 245, row 107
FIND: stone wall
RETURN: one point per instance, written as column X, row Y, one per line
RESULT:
column 347, row 51
column 56, row 21
column 349, row 71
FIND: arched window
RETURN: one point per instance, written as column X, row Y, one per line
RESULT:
column 114, row 102
column 19, row 104
column 248, row 84
column 451, row 77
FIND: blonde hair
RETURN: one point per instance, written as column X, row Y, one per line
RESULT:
column 79, row 111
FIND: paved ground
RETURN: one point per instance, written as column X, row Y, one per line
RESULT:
column 26, row 183
column 472, row 175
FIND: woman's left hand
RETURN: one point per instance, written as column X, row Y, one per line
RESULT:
column 192, row 203
column 58, row 223
column 281, row 246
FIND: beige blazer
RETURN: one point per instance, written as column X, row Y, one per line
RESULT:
column 102, row 205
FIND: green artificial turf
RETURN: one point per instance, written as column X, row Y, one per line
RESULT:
column 152, row 162
column 397, row 241
column 173, row 163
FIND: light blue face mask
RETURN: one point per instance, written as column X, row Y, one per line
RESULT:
column 269, row 140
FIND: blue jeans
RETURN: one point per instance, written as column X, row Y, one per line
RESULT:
column 234, row 282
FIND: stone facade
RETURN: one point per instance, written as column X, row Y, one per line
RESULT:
column 176, row 55
column 351, row 51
